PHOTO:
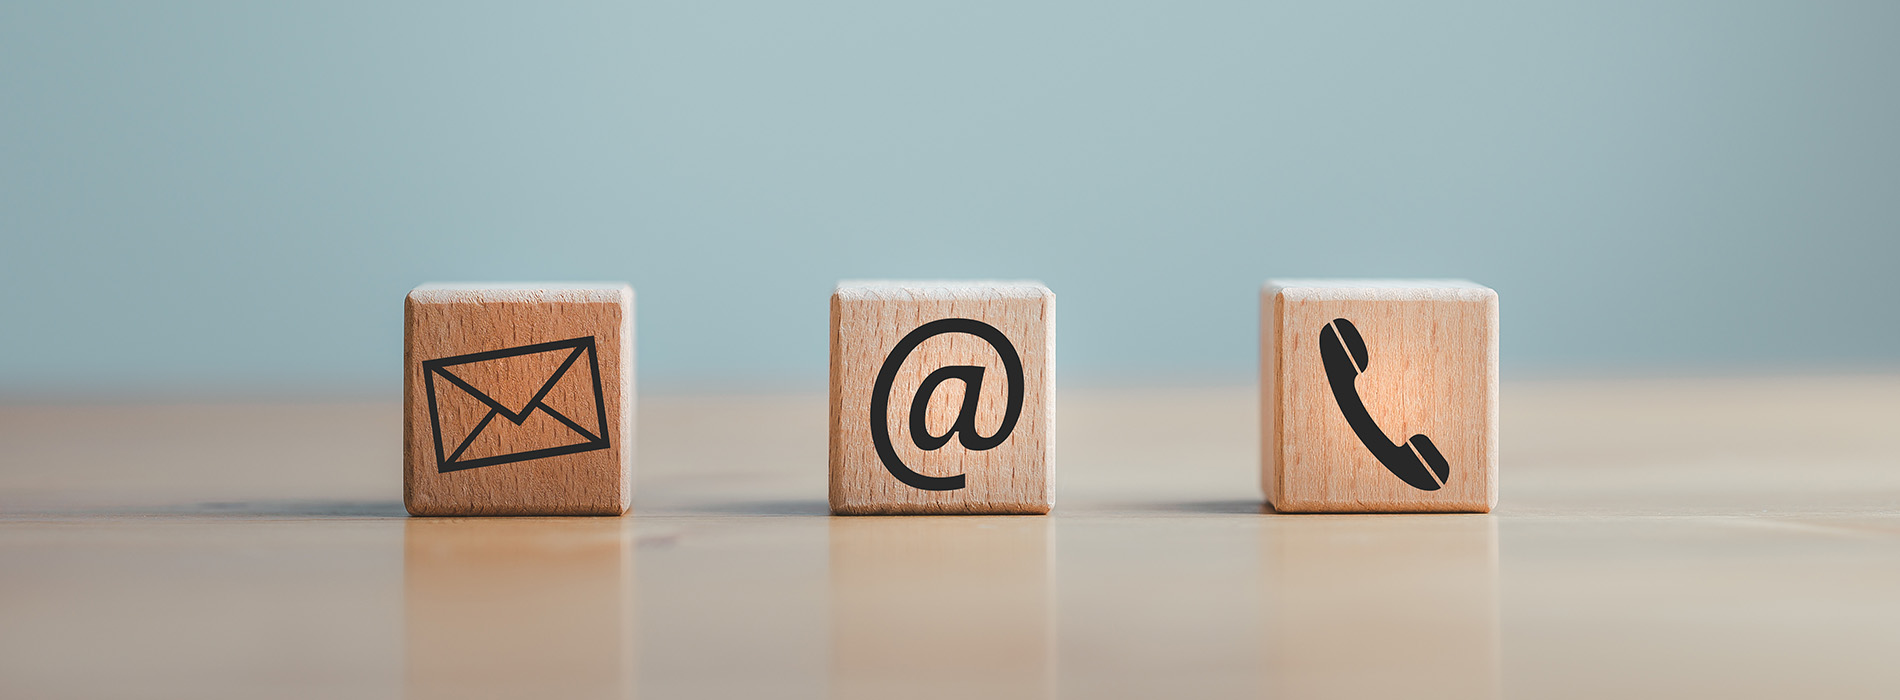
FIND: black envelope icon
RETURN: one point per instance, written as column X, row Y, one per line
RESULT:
column 542, row 393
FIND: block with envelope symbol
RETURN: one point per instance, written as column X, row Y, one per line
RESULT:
column 518, row 399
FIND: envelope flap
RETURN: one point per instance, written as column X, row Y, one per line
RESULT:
column 512, row 382
column 537, row 431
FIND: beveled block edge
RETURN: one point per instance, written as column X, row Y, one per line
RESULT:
column 521, row 292
column 924, row 290
column 1298, row 290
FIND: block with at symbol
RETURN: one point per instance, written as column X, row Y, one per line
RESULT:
column 940, row 396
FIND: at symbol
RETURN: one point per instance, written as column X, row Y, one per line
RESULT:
column 965, row 425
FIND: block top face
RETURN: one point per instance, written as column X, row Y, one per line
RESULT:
column 521, row 292
column 1379, row 289
column 922, row 290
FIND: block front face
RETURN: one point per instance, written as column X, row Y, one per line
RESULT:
column 518, row 400
column 1379, row 396
column 940, row 398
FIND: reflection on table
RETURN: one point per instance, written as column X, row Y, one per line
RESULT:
column 1371, row 606
column 518, row 607
column 953, row 607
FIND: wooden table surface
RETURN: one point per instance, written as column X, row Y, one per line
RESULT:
column 1655, row 538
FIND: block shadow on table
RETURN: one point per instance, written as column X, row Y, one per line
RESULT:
column 792, row 506
column 391, row 508
column 266, row 509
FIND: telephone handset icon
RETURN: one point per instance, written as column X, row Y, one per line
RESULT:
column 1344, row 354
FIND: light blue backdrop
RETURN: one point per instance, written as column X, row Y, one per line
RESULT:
column 223, row 196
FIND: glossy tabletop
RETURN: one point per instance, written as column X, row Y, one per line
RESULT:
column 1655, row 538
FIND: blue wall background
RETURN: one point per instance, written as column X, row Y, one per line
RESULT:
column 208, row 197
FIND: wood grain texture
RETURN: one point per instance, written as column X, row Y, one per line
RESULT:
column 1431, row 369
column 445, row 323
column 868, row 322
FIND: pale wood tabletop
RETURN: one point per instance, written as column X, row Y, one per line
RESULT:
column 1733, row 537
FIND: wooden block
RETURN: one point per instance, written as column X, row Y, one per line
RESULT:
column 1379, row 396
column 518, row 399
column 940, row 397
